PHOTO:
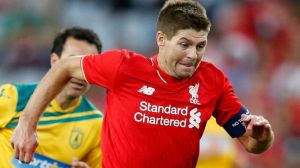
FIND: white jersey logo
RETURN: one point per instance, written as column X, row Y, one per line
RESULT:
column 146, row 90
column 194, row 118
column 194, row 92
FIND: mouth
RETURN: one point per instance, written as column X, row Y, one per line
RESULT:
column 78, row 84
column 187, row 64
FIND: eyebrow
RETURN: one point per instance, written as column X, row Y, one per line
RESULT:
column 183, row 38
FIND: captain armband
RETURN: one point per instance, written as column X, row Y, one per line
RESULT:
column 235, row 126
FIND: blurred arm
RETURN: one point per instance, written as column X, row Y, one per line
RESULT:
column 24, row 139
column 51, row 84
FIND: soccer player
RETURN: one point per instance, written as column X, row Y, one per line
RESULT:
column 70, row 125
column 157, row 107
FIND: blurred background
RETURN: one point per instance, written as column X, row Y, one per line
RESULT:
column 255, row 42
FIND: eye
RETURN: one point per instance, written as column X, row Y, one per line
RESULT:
column 201, row 46
column 184, row 45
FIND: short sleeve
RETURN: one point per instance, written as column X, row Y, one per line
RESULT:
column 102, row 69
column 229, row 110
column 228, row 103
column 8, row 103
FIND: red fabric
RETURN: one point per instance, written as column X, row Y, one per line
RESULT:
column 136, row 89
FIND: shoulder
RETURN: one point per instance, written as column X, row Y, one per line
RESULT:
column 205, row 65
column 130, row 60
column 7, row 88
column 117, row 56
column 24, row 92
column 8, row 92
column 87, row 105
column 209, row 69
column 14, row 90
column 124, row 54
column 17, row 93
column 26, row 88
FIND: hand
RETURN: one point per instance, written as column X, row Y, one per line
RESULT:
column 257, row 127
column 78, row 164
column 24, row 141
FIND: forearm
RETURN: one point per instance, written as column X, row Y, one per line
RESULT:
column 48, row 88
column 255, row 146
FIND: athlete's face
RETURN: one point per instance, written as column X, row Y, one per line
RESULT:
column 72, row 47
column 181, row 55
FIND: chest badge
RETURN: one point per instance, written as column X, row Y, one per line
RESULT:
column 76, row 138
column 193, row 90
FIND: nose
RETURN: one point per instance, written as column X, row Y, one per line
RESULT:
column 192, row 53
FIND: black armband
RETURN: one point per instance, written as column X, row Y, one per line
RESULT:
column 235, row 127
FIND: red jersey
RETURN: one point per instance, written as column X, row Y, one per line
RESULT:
column 153, row 119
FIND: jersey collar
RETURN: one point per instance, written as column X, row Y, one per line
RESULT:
column 57, row 107
column 166, row 78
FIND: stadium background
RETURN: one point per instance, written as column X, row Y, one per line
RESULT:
column 256, row 42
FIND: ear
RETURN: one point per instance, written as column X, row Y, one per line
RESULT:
column 160, row 38
column 53, row 58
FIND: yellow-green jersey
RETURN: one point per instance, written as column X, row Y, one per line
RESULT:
column 218, row 149
column 63, row 133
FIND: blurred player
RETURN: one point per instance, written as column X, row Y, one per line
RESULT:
column 156, row 107
column 218, row 149
column 70, row 126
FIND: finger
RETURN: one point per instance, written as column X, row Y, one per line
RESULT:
column 74, row 162
column 260, row 122
column 28, row 157
column 21, row 155
column 79, row 165
column 245, row 117
column 251, row 122
column 268, row 126
column 16, row 152
column 29, row 152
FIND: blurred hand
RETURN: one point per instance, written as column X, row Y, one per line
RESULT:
column 79, row 164
column 257, row 127
column 24, row 141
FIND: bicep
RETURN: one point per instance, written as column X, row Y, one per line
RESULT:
column 73, row 66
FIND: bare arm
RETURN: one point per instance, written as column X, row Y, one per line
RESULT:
column 24, row 139
column 51, row 84
column 258, row 136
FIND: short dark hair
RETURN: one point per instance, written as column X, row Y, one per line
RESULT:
column 182, row 14
column 79, row 34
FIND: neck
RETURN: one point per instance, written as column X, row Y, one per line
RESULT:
column 65, row 101
column 162, row 65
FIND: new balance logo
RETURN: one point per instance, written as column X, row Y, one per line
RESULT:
column 146, row 90
column 194, row 118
